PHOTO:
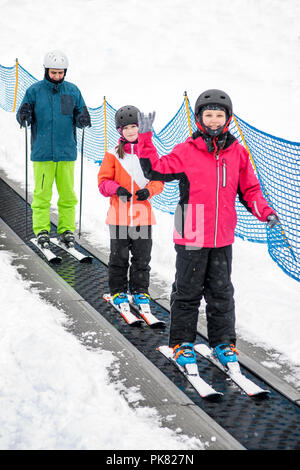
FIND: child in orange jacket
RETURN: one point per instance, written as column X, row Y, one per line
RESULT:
column 130, row 217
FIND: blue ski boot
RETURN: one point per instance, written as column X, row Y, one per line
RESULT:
column 120, row 298
column 184, row 354
column 225, row 353
column 141, row 299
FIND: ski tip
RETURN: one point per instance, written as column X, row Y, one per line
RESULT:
column 158, row 324
column 213, row 397
column 260, row 395
column 56, row 260
column 132, row 321
column 87, row 260
column 136, row 323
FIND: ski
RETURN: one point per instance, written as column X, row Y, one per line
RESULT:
column 191, row 372
column 124, row 310
column 233, row 371
column 144, row 311
column 49, row 255
column 72, row 251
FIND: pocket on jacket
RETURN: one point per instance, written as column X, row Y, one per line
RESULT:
column 66, row 104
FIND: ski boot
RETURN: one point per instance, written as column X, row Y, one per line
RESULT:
column 184, row 354
column 141, row 299
column 67, row 238
column 225, row 353
column 43, row 239
column 120, row 298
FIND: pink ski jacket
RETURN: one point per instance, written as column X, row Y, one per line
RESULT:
column 208, row 185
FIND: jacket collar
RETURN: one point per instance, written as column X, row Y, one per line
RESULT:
column 54, row 87
column 128, row 146
column 198, row 141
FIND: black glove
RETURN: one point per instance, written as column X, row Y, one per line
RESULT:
column 142, row 194
column 25, row 114
column 272, row 220
column 123, row 193
column 84, row 119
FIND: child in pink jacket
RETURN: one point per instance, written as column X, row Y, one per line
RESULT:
column 212, row 168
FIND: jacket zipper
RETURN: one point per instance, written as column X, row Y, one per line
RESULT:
column 43, row 181
column 224, row 175
column 217, row 201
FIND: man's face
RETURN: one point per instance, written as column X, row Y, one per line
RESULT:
column 56, row 74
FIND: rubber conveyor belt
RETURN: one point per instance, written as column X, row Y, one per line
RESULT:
column 260, row 424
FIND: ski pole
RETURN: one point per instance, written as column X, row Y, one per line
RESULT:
column 81, row 177
column 26, row 175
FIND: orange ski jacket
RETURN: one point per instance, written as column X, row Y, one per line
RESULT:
column 126, row 172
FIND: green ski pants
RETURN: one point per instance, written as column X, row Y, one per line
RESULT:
column 44, row 175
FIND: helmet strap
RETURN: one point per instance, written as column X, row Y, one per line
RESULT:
column 206, row 130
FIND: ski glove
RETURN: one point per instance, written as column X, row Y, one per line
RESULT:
column 142, row 194
column 272, row 220
column 123, row 193
column 25, row 114
column 145, row 122
column 84, row 119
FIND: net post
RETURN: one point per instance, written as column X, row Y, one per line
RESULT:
column 105, row 124
column 188, row 112
column 16, row 85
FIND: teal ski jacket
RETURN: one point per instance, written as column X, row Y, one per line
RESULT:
column 56, row 109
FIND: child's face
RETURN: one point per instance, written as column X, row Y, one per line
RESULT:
column 214, row 118
column 130, row 132
column 56, row 74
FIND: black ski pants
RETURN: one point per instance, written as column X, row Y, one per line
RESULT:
column 202, row 272
column 123, row 241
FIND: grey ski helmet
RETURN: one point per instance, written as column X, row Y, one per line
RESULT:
column 56, row 60
column 126, row 115
column 217, row 97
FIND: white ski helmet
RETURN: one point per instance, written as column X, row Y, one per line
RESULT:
column 56, row 60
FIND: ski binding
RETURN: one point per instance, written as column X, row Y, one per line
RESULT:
column 191, row 372
column 124, row 310
column 233, row 371
column 49, row 255
column 72, row 251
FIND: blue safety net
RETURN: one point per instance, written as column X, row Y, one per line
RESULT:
column 276, row 162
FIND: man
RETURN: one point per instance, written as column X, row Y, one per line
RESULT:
column 53, row 108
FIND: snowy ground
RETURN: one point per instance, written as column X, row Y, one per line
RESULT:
column 56, row 394
column 251, row 50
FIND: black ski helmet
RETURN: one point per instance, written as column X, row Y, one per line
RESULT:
column 126, row 115
column 217, row 97
column 213, row 99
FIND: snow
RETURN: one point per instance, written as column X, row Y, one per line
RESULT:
column 55, row 393
column 249, row 49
